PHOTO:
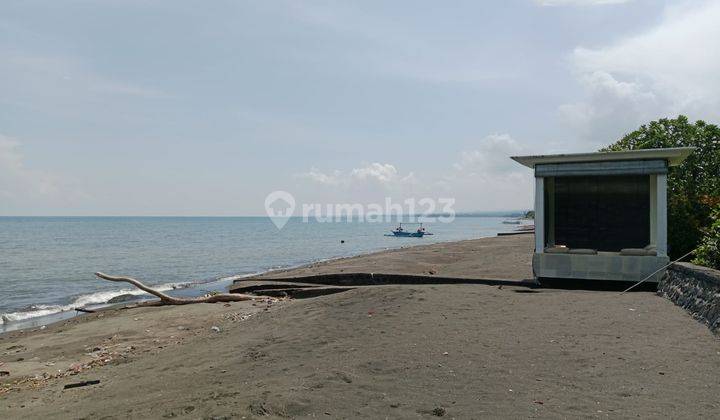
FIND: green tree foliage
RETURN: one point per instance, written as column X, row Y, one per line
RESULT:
column 694, row 186
column 708, row 253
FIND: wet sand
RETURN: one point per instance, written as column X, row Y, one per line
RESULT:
column 398, row 351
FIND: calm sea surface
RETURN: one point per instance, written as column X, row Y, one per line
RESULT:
column 47, row 263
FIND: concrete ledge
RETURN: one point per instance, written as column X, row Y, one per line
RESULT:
column 517, row 232
column 253, row 286
column 373, row 279
column 303, row 292
column 695, row 289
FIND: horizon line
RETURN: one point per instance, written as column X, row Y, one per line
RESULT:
column 457, row 214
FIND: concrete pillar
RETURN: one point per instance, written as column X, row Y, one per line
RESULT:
column 661, row 225
column 539, row 215
column 653, row 209
column 550, row 228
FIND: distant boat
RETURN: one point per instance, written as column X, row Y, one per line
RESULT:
column 405, row 233
column 511, row 222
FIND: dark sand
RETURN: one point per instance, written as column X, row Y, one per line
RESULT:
column 505, row 257
column 463, row 351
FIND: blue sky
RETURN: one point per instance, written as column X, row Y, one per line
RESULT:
column 203, row 108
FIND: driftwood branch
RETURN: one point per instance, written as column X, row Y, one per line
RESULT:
column 171, row 300
column 87, row 311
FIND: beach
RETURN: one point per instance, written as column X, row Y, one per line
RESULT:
column 48, row 262
column 385, row 351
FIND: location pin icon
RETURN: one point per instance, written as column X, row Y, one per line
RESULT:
column 279, row 206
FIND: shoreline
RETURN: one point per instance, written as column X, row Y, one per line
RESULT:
column 505, row 257
column 224, row 284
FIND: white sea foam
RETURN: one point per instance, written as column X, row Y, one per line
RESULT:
column 82, row 301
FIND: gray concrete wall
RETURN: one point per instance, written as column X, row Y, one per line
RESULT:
column 696, row 289
column 603, row 266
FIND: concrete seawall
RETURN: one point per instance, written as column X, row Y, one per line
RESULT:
column 696, row 289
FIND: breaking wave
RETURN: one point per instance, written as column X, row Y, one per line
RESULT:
column 97, row 298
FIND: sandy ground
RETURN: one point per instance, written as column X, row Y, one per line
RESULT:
column 416, row 351
column 503, row 257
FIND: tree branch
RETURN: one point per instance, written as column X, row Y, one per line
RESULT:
column 171, row 300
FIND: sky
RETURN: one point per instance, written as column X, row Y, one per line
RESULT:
column 193, row 108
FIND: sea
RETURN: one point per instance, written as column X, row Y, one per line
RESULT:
column 47, row 263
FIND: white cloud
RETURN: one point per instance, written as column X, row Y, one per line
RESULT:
column 611, row 107
column 317, row 176
column 672, row 68
column 680, row 57
column 579, row 2
column 486, row 178
column 600, row 82
column 491, row 156
column 368, row 183
column 383, row 175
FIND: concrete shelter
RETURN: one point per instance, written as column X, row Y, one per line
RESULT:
column 602, row 215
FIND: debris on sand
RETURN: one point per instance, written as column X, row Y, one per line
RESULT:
column 100, row 355
column 81, row 384
column 237, row 316
column 438, row 412
column 259, row 409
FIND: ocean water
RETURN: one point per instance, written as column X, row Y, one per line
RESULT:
column 47, row 263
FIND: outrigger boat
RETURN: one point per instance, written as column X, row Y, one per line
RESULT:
column 403, row 233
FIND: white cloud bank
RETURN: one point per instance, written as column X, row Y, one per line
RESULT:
column 482, row 178
column 491, row 157
column 670, row 69
column 485, row 178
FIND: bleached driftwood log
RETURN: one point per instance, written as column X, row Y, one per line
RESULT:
column 170, row 300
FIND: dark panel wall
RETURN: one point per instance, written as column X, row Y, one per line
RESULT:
column 606, row 213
